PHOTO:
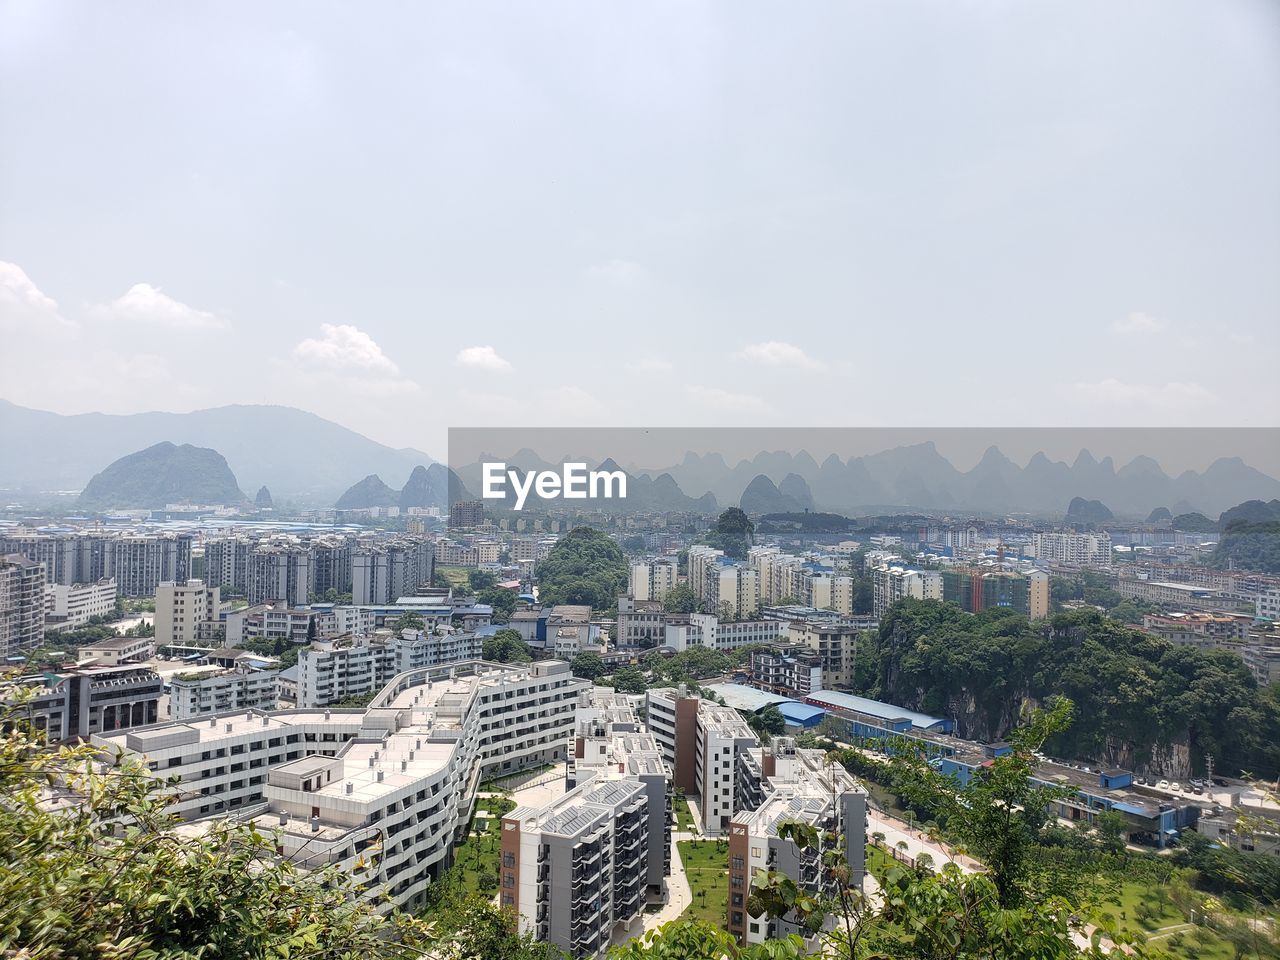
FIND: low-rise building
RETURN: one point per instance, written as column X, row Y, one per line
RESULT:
column 788, row 669
column 332, row 670
column 115, row 651
column 94, row 699
column 75, row 604
column 244, row 687
column 380, row 793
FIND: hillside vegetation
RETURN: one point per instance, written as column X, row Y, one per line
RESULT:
column 162, row 474
column 1142, row 702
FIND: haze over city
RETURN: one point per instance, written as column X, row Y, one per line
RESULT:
column 700, row 479
column 925, row 214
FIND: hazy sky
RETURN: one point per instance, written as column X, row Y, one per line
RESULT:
column 411, row 216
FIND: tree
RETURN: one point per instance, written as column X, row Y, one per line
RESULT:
column 584, row 567
column 680, row 599
column 767, row 722
column 505, row 646
column 918, row 915
column 501, row 599
column 410, row 620
column 733, row 532
column 104, row 874
column 471, row 927
column 1113, row 830
column 629, row 680
column 698, row 940
column 1000, row 812
column 587, row 665
column 481, row 580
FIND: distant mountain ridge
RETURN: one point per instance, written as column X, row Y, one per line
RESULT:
column 427, row 486
column 298, row 455
column 918, row 476
column 162, row 474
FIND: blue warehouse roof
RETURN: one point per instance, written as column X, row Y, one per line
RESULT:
column 801, row 714
column 834, row 699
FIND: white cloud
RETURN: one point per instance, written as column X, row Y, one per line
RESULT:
column 725, row 401
column 22, row 302
column 344, row 348
column 1241, row 339
column 1138, row 323
column 346, row 358
column 1121, row 397
column 482, row 358
column 776, row 353
column 621, row 272
column 143, row 303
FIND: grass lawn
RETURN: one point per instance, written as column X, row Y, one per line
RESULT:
column 477, row 858
column 878, row 861
column 1165, row 927
column 455, row 577
column 684, row 818
column 706, row 864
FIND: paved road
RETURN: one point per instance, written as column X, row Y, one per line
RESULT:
column 679, row 896
column 897, row 831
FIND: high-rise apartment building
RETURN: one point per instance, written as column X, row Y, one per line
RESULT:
column 652, row 579
column 1071, row 549
column 975, row 589
column 585, row 864
column 799, row 786
column 893, row 583
column 22, row 604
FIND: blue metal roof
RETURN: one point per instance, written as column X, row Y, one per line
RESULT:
column 874, row 708
column 801, row 714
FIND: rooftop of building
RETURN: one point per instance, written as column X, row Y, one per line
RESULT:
column 578, row 811
column 833, row 699
column 739, row 696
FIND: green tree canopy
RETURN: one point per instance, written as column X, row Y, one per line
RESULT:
column 584, row 567
column 104, row 874
column 587, row 665
column 505, row 646
column 680, row 599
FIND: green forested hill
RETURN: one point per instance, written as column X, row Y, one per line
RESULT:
column 162, row 474
column 1140, row 700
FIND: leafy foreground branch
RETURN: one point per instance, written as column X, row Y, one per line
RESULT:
column 92, row 867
